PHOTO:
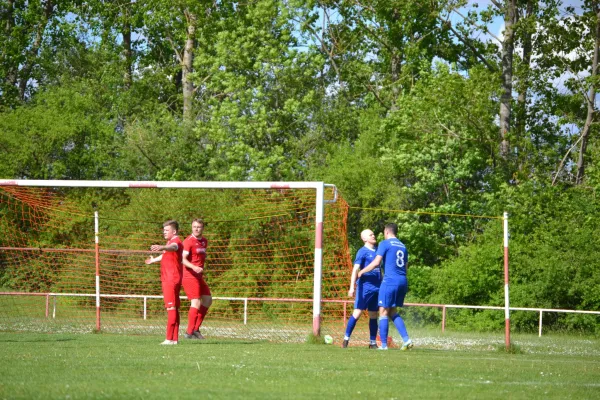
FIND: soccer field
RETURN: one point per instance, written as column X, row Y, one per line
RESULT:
column 104, row 366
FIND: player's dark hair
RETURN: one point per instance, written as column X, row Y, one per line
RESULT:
column 172, row 223
column 391, row 227
column 199, row 221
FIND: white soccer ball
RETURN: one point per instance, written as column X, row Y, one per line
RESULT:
column 328, row 339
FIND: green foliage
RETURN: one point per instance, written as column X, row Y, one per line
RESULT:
column 395, row 102
column 549, row 228
column 62, row 134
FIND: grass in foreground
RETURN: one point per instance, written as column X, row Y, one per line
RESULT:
column 51, row 366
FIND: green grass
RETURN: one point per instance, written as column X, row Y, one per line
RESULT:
column 75, row 366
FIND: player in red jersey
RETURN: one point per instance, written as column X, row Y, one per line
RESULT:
column 196, row 289
column 171, row 271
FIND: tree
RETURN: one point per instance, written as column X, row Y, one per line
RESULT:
column 172, row 30
column 509, row 10
column 64, row 133
column 380, row 47
column 590, row 99
column 28, row 28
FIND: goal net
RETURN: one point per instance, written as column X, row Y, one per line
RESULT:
column 264, row 246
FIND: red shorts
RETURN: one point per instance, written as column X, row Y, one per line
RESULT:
column 171, row 294
column 195, row 288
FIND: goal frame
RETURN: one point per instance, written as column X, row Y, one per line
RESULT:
column 320, row 201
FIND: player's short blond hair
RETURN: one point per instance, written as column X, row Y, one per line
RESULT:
column 173, row 224
column 199, row 221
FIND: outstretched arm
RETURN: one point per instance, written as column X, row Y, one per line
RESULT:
column 152, row 260
column 371, row 266
column 158, row 247
column 353, row 279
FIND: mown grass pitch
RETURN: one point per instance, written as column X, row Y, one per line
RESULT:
column 105, row 366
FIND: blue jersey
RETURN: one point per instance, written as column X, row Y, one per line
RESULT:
column 364, row 256
column 395, row 259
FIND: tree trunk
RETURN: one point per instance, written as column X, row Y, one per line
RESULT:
column 524, row 84
column 187, row 63
column 32, row 54
column 510, row 9
column 395, row 76
column 127, row 52
column 10, row 19
column 11, row 74
column 591, row 99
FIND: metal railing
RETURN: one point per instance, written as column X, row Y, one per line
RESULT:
column 246, row 300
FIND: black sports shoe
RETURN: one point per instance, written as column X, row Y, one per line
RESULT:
column 198, row 335
column 345, row 344
column 373, row 346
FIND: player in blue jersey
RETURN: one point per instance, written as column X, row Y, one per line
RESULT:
column 394, row 285
column 367, row 288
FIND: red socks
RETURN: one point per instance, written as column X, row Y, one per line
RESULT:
column 192, row 317
column 177, row 321
column 172, row 325
column 201, row 314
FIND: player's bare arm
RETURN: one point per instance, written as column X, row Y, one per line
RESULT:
column 353, row 280
column 186, row 263
column 158, row 247
column 152, row 260
column 375, row 263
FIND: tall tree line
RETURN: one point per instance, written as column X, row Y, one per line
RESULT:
column 405, row 105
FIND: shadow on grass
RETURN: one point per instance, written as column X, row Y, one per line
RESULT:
column 214, row 342
column 37, row 340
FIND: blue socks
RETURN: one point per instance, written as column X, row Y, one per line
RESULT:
column 383, row 331
column 399, row 322
column 372, row 328
column 350, row 326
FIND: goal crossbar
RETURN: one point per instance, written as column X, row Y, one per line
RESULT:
column 165, row 184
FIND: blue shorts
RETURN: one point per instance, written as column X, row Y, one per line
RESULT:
column 392, row 294
column 366, row 298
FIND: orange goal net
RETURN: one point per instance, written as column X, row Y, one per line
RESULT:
column 261, row 259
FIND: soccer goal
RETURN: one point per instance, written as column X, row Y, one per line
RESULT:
column 72, row 255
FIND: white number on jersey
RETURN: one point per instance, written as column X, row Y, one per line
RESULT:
column 400, row 258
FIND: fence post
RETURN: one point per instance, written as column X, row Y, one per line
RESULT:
column 145, row 305
column 540, row 334
column 54, row 307
column 245, row 311
column 443, row 319
column 47, row 304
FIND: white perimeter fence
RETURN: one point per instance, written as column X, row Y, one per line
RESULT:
column 347, row 304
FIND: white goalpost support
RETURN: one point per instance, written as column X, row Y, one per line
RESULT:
column 319, row 188
column 97, row 261
column 318, row 273
column 506, row 291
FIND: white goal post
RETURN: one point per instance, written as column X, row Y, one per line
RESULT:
column 320, row 201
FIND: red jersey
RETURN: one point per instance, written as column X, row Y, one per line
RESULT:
column 170, row 264
column 196, row 248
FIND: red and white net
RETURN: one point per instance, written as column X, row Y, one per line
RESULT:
column 259, row 265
